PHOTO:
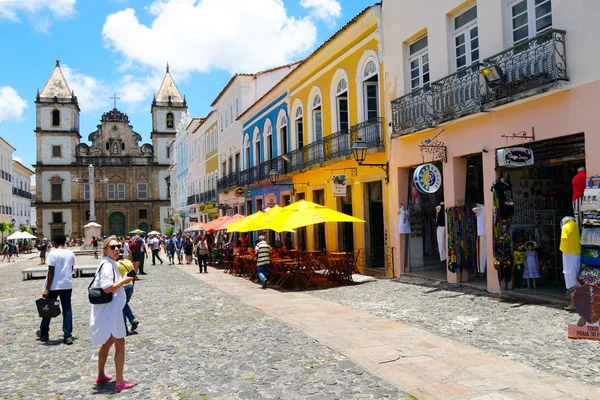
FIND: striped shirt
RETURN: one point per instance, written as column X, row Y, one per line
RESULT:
column 262, row 251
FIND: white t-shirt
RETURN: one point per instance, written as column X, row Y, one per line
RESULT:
column 63, row 261
column 481, row 223
column 154, row 243
column 404, row 222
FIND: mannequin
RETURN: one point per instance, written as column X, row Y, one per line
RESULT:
column 503, row 191
column 479, row 211
column 578, row 182
column 570, row 246
column 440, row 222
column 403, row 221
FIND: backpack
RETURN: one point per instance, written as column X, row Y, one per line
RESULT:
column 134, row 246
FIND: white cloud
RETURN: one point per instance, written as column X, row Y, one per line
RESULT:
column 206, row 35
column 37, row 11
column 92, row 94
column 327, row 10
column 12, row 105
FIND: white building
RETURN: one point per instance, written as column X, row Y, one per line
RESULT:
column 21, row 195
column 6, row 153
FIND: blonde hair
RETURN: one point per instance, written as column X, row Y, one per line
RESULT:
column 108, row 240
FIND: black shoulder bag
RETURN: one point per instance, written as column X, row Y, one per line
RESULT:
column 97, row 295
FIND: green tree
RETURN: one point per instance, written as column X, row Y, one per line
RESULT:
column 25, row 228
column 5, row 227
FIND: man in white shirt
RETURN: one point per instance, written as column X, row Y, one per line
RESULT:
column 59, row 283
column 155, row 246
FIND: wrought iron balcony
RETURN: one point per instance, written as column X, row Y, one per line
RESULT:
column 193, row 199
column 332, row 147
column 527, row 69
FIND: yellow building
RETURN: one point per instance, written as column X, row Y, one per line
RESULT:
column 336, row 98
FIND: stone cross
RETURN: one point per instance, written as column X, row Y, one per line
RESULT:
column 115, row 98
column 92, row 182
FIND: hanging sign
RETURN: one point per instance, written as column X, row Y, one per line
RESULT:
column 338, row 185
column 239, row 192
column 586, row 299
column 428, row 178
column 270, row 200
column 515, row 157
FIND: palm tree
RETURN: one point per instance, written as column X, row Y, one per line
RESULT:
column 5, row 227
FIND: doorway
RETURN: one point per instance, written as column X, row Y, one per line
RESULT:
column 301, row 232
column 375, row 249
column 116, row 224
column 346, row 229
column 319, row 229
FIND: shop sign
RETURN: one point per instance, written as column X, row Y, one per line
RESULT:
column 239, row 192
column 270, row 200
column 206, row 208
column 515, row 157
column 338, row 185
column 193, row 210
column 586, row 299
column 428, row 178
column 193, row 219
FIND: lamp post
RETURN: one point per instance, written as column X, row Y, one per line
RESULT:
column 359, row 153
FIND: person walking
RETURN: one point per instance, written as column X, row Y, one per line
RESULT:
column 126, row 269
column 136, row 247
column 170, row 245
column 179, row 248
column 106, row 320
column 202, row 252
column 94, row 244
column 59, row 284
column 43, row 247
column 155, row 246
column 188, row 248
column 263, row 251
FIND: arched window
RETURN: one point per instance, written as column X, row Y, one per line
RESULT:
column 246, row 152
column 170, row 120
column 341, row 100
column 282, row 130
column 370, row 90
column 299, row 121
column 55, row 118
column 317, row 118
column 268, row 133
column 257, row 157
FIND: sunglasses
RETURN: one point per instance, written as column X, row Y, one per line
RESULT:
column 115, row 246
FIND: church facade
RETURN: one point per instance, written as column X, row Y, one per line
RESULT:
column 131, row 178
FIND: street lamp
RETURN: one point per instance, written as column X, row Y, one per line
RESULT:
column 493, row 75
column 359, row 152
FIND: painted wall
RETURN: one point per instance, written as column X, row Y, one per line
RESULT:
column 47, row 186
column 45, row 143
column 47, row 218
column 67, row 120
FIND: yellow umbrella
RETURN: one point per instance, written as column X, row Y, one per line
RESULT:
column 304, row 213
column 240, row 226
column 259, row 223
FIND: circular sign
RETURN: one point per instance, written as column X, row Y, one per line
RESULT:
column 428, row 178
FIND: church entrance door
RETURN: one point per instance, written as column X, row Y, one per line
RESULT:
column 116, row 224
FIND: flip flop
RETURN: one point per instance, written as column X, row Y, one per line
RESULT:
column 100, row 381
column 126, row 385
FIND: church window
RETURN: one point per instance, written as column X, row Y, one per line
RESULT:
column 168, row 151
column 56, row 151
column 56, row 192
column 170, row 121
column 122, row 146
column 86, row 191
column 143, row 213
column 107, row 146
column 142, row 191
column 57, row 217
column 55, row 118
column 121, row 191
column 111, row 191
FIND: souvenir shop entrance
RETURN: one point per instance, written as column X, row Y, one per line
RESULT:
column 542, row 196
column 423, row 249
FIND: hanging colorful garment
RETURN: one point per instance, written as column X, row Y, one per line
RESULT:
column 462, row 248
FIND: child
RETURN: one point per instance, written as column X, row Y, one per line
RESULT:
column 519, row 262
column 531, row 264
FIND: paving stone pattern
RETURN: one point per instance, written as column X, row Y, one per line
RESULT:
column 533, row 334
column 194, row 342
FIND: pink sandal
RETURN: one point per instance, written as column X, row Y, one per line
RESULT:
column 100, row 381
column 126, row 385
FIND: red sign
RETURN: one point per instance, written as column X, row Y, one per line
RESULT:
column 270, row 200
column 240, row 192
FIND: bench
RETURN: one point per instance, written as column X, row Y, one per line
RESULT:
column 85, row 269
column 28, row 272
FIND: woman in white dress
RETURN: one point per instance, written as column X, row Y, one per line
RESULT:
column 106, row 320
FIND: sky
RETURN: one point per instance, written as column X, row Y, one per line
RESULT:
column 123, row 46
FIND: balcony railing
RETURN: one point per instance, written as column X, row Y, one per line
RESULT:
column 193, row 199
column 332, row 147
column 21, row 193
column 528, row 68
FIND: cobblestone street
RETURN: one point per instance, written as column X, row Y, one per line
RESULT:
column 194, row 342
column 534, row 334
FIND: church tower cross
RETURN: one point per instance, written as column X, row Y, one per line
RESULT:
column 115, row 98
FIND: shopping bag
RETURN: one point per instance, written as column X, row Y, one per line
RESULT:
column 591, row 199
column 48, row 308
